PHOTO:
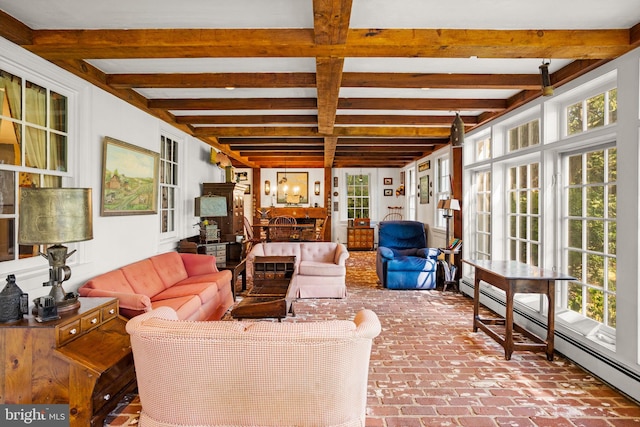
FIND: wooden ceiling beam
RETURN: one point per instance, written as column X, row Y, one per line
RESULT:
column 212, row 80
column 303, row 80
column 343, row 103
column 271, row 141
column 421, row 104
column 441, row 81
column 234, row 104
column 14, row 30
column 363, row 119
column 393, row 119
column 330, row 144
column 328, row 77
column 435, row 43
column 247, row 119
column 361, row 131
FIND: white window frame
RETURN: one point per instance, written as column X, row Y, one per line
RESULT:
column 442, row 187
column 66, row 178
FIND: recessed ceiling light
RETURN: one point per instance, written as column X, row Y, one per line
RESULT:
column 229, row 88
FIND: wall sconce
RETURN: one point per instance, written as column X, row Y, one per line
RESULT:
column 267, row 187
column 316, row 188
column 545, row 79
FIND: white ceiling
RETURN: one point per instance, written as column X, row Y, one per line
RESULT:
column 296, row 14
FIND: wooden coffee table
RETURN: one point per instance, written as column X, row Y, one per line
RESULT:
column 268, row 297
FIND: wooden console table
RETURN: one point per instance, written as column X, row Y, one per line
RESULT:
column 83, row 359
column 515, row 277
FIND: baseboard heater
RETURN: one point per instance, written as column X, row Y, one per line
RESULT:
column 559, row 335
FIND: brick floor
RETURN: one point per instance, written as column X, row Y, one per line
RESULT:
column 429, row 369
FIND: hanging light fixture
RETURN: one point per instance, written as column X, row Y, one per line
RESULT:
column 545, row 79
column 457, row 131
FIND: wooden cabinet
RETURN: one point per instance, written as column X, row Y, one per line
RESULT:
column 231, row 225
column 83, row 359
column 360, row 238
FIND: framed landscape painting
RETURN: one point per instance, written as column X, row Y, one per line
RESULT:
column 129, row 179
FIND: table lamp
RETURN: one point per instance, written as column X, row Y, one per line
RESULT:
column 53, row 216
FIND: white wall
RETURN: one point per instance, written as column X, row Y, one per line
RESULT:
column 118, row 240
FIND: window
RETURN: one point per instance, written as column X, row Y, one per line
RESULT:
column 523, row 235
column 482, row 247
column 591, row 234
column 411, row 191
column 524, row 136
column 357, row 196
column 483, row 148
column 168, row 183
column 33, row 151
column 593, row 112
column 443, row 187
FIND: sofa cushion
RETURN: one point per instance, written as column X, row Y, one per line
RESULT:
column 282, row 249
column 143, row 278
column 318, row 251
column 206, row 291
column 187, row 307
column 316, row 268
column 220, row 277
column 113, row 281
column 199, row 264
column 411, row 263
column 169, row 267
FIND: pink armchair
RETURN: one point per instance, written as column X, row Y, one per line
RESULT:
column 252, row 373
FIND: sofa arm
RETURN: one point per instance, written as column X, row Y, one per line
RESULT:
column 385, row 252
column 129, row 301
column 134, row 324
column 367, row 324
column 341, row 254
column 428, row 253
column 199, row 264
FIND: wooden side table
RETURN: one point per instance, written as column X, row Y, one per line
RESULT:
column 515, row 277
column 83, row 359
column 237, row 268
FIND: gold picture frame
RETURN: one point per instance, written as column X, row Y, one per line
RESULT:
column 129, row 179
column 293, row 187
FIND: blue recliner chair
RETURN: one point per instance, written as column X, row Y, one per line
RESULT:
column 403, row 261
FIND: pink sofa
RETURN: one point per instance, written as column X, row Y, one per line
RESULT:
column 190, row 284
column 320, row 270
column 252, row 373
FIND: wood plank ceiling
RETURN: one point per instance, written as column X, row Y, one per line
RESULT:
column 330, row 128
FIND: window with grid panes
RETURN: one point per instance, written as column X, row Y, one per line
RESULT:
column 168, row 183
column 357, row 196
column 482, row 247
column 525, row 135
column 443, row 187
column 523, row 234
column 33, row 151
column 591, row 233
column 592, row 112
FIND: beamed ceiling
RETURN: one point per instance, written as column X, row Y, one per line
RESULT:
column 323, row 83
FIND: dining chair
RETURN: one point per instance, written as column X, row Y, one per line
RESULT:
column 282, row 234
